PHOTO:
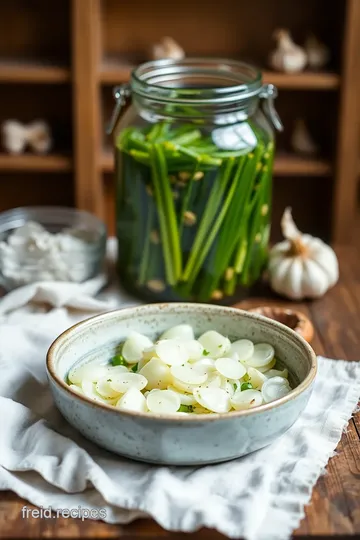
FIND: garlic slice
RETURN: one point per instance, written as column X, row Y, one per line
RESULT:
column 132, row 400
column 215, row 344
column 157, row 374
column 104, row 389
column 205, row 365
column 121, row 383
column 229, row 368
column 163, row 401
column 194, row 349
column 181, row 331
column 262, row 356
column 134, row 347
column 172, row 352
column 276, row 373
column 244, row 348
column 257, row 379
column 275, row 388
column 185, row 399
column 188, row 374
column 214, row 399
column 247, row 399
column 90, row 372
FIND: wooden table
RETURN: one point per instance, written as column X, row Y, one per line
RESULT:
column 335, row 504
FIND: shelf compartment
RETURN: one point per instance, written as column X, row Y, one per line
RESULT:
column 35, row 163
column 285, row 165
column 118, row 71
column 28, row 71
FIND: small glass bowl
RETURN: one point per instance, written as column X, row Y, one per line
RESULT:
column 74, row 257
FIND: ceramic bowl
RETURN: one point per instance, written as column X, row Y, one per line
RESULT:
column 179, row 440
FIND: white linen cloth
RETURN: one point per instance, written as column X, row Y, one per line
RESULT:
column 44, row 460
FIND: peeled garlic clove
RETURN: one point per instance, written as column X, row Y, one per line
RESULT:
column 157, row 374
column 132, row 400
column 187, row 374
column 275, row 388
column 171, row 352
column 194, row 349
column 229, row 368
column 247, row 399
column 257, row 379
column 181, row 331
column 276, row 373
column 134, row 347
column 163, row 401
column 122, row 382
column 104, row 389
column 213, row 399
column 185, row 399
column 244, row 348
column 215, row 344
column 262, row 355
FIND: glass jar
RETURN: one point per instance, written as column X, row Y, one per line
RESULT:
column 194, row 156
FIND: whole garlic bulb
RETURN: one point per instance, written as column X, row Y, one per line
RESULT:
column 301, row 140
column 318, row 54
column 287, row 56
column 301, row 266
column 167, row 48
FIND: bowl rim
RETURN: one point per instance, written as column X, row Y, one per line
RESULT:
column 130, row 311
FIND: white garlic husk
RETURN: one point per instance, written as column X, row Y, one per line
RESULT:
column 301, row 140
column 167, row 48
column 14, row 138
column 287, row 57
column 301, row 266
column 318, row 54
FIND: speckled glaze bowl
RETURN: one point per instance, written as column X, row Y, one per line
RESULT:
column 194, row 439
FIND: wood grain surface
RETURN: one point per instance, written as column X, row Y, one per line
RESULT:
column 335, row 504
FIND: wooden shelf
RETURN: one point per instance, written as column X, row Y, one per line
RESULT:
column 114, row 72
column 285, row 165
column 32, row 72
column 292, row 165
column 303, row 81
column 35, row 163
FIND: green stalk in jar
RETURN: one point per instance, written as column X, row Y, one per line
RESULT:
column 226, row 211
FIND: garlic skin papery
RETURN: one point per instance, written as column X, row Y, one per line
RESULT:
column 287, row 57
column 301, row 266
column 167, row 48
column 318, row 54
column 301, row 141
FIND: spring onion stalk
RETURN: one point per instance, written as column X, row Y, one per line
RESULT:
column 197, row 214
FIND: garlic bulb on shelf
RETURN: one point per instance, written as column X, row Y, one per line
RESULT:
column 39, row 137
column 318, row 54
column 17, row 137
column 301, row 266
column 13, row 136
column 301, row 140
column 167, row 48
column 288, row 56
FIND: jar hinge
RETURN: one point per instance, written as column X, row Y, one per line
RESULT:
column 269, row 93
column 121, row 94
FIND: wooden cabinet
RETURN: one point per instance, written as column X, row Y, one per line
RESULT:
column 59, row 62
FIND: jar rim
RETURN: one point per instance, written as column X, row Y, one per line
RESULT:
column 189, row 80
